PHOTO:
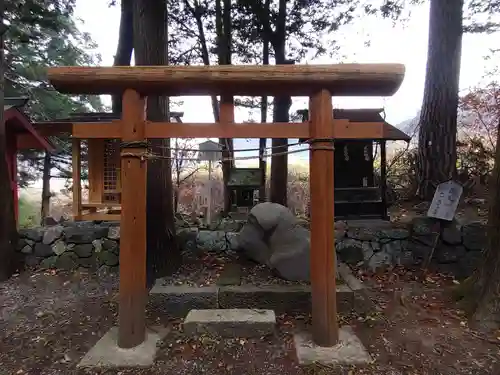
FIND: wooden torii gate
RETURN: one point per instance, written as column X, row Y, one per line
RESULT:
column 318, row 82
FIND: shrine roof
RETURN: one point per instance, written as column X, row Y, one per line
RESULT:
column 64, row 125
column 18, row 122
column 363, row 115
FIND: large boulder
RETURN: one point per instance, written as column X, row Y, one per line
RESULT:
column 273, row 236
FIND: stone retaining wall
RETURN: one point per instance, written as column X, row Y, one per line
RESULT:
column 458, row 251
column 91, row 245
column 71, row 245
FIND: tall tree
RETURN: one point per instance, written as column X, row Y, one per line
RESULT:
column 42, row 34
column 151, row 48
column 437, row 152
column 208, row 24
column 486, row 282
column 282, row 104
column 223, row 29
column 125, row 43
column 263, row 117
column 8, row 233
column 302, row 27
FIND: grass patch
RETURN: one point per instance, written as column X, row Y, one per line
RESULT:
column 29, row 213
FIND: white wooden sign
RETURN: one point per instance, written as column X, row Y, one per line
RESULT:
column 210, row 151
column 445, row 201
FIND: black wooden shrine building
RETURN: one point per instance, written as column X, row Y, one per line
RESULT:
column 361, row 191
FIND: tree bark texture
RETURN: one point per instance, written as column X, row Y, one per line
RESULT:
column 150, row 47
column 125, row 44
column 279, row 162
column 263, row 117
column 8, row 230
column 223, row 26
column 47, row 166
column 487, row 306
column 437, row 152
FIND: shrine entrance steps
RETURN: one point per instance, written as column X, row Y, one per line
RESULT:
column 252, row 323
column 179, row 300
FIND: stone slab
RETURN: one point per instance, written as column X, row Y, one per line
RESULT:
column 349, row 350
column 361, row 302
column 230, row 275
column 106, row 352
column 230, row 322
column 346, row 275
column 369, row 223
column 280, row 298
column 178, row 300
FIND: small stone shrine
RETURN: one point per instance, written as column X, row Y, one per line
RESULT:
column 244, row 185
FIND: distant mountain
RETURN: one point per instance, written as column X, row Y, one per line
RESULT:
column 410, row 126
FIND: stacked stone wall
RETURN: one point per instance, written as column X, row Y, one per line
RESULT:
column 92, row 245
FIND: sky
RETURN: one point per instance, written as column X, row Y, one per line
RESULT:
column 400, row 44
column 406, row 44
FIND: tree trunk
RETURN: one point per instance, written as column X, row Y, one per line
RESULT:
column 223, row 31
column 178, row 166
column 279, row 163
column 8, row 231
column 196, row 11
column 263, row 117
column 279, row 160
column 487, row 285
column 125, row 44
column 150, row 46
column 437, row 152
column 47, row 164
column 223, row 25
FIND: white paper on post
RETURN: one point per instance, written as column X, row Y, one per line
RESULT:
column 445, row 201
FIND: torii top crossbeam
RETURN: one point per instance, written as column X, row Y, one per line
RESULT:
column 293, row 80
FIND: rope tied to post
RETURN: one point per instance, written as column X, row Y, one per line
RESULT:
column 140, row 154
column 147, row 155
column 314, row 147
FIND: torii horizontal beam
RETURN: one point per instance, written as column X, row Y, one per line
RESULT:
column 343, row 129
column 292, row 80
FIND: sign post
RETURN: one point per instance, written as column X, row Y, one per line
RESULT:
column 445, row 201
column 442, row 209
column 209, row 151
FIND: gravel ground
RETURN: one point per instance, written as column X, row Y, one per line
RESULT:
column 50, row 320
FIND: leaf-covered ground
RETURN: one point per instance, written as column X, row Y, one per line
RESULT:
column 49, row 320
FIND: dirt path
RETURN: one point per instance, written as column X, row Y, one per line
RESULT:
column 49, row 320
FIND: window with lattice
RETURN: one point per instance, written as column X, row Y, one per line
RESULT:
column 112, row 170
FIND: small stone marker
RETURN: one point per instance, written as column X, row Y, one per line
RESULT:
column 230, row 322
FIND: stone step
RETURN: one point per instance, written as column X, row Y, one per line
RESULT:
column 230, row 323
column 230, row 275
column 179, row 300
